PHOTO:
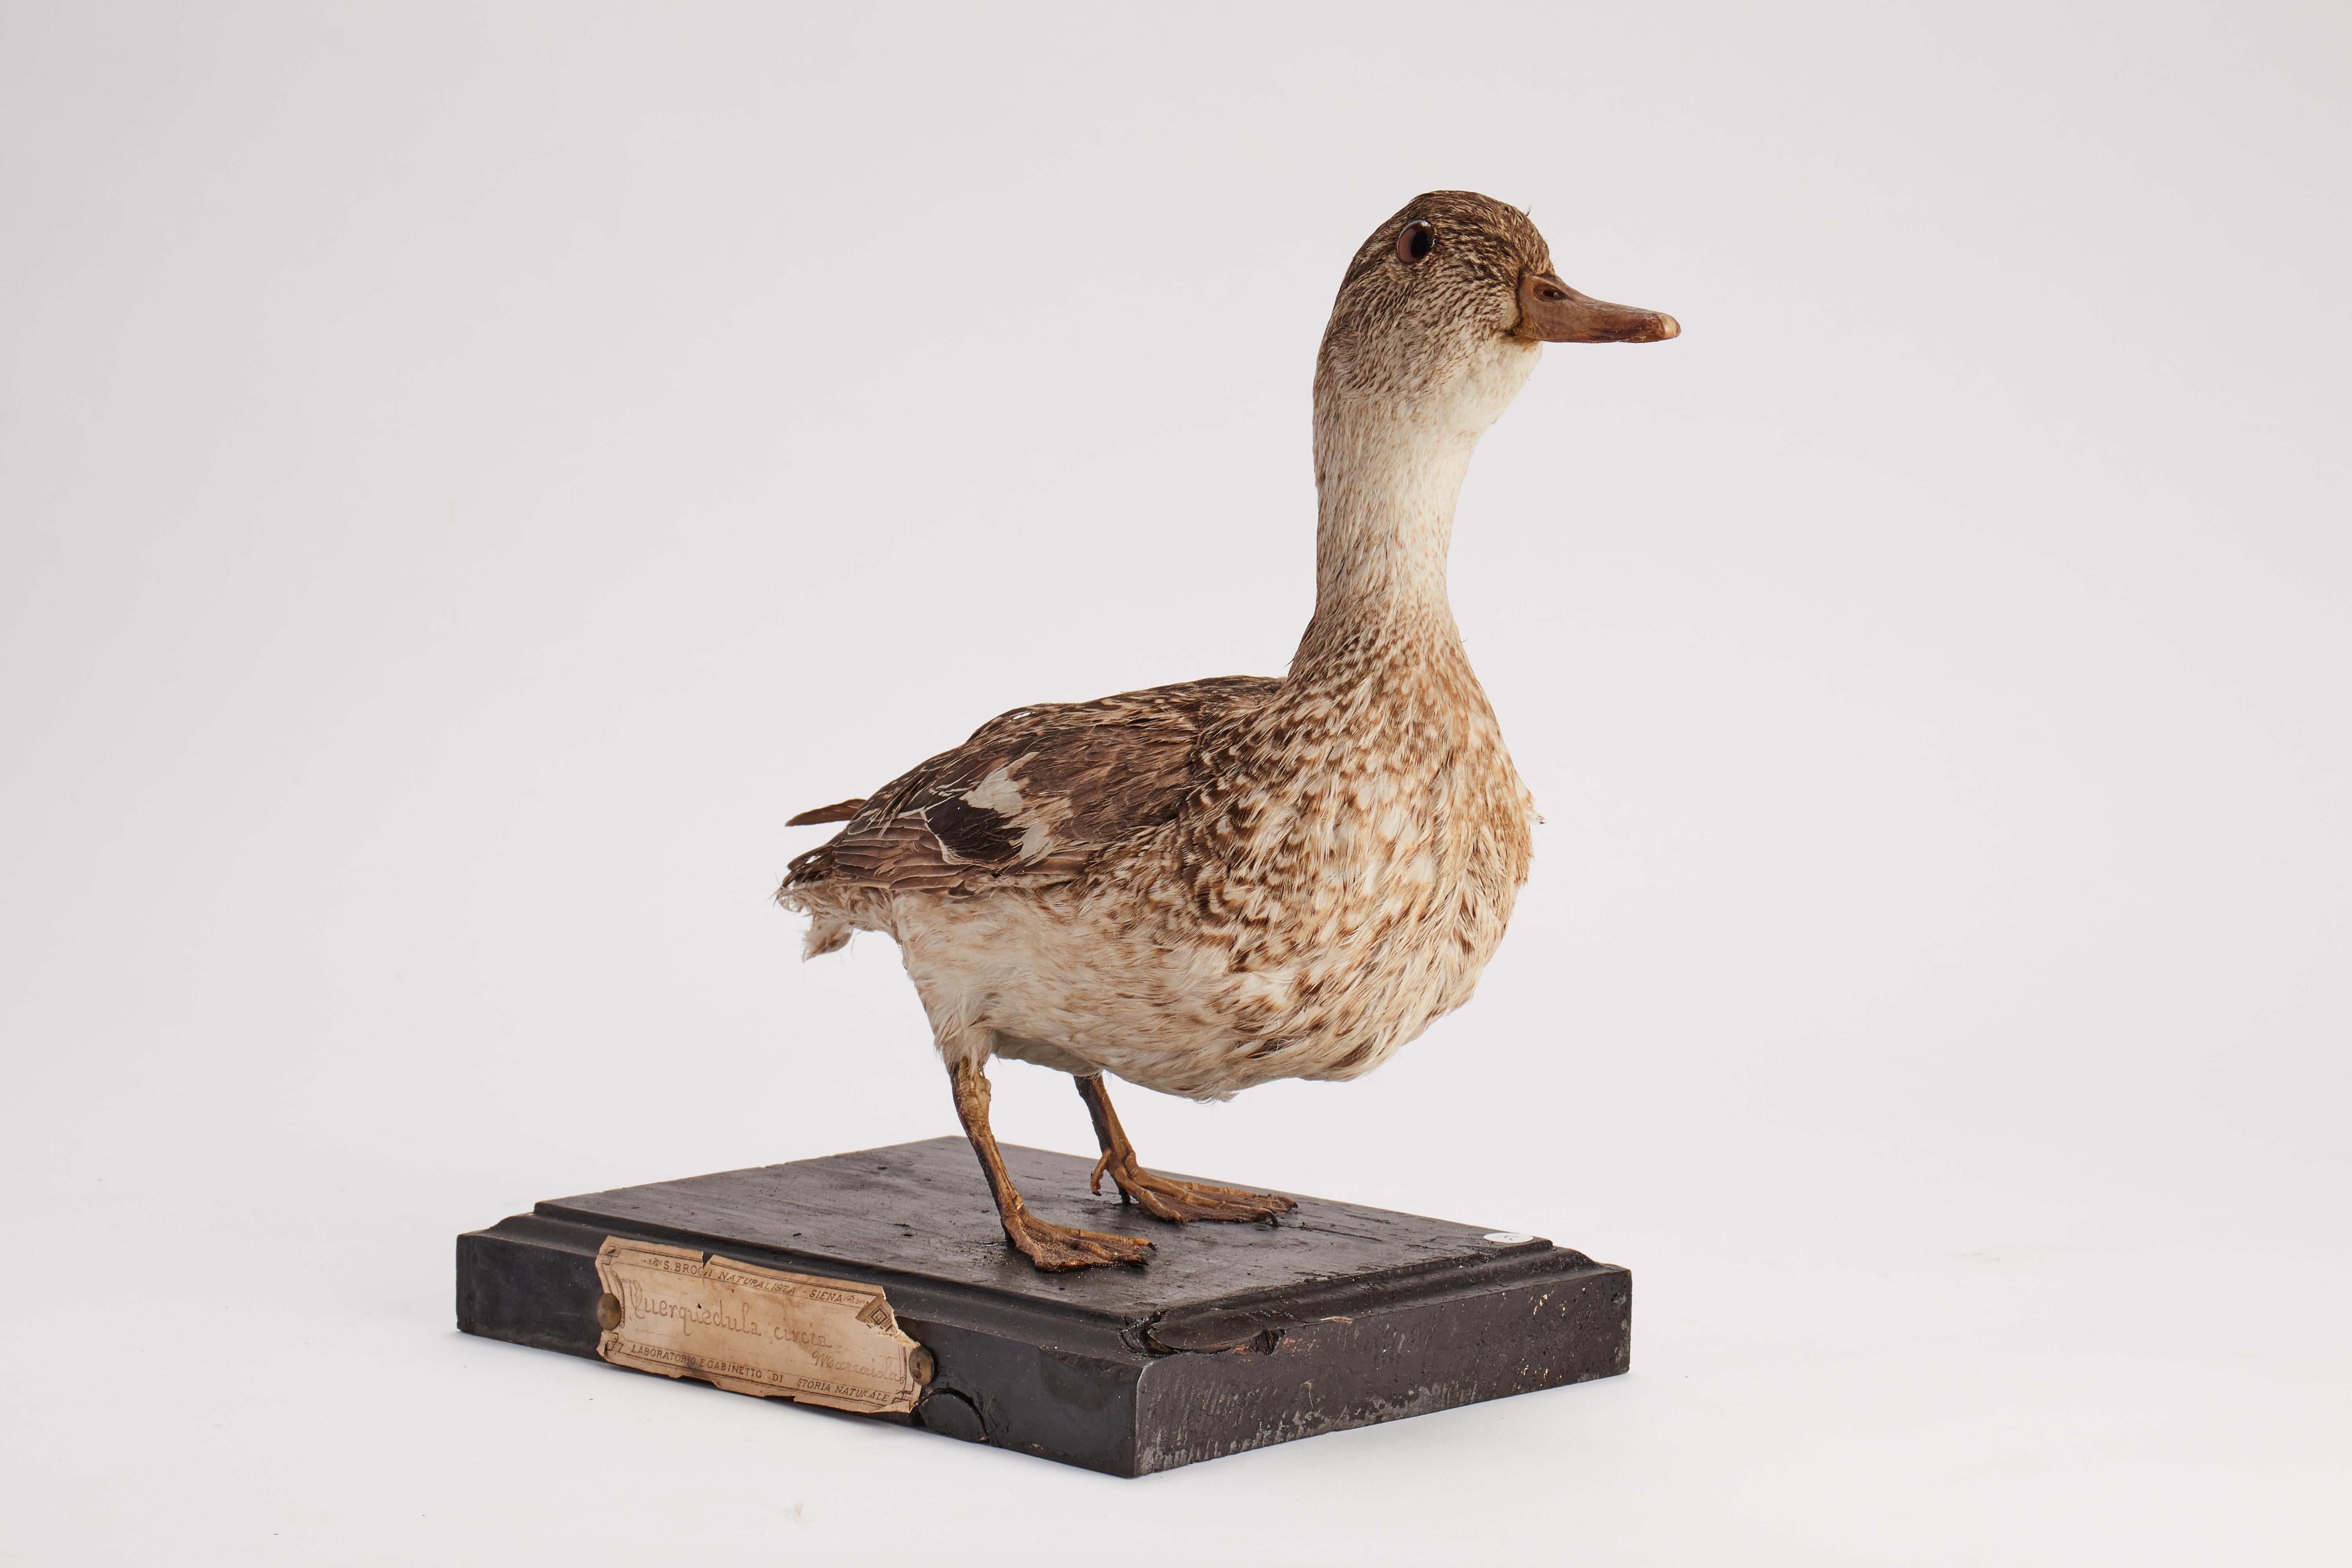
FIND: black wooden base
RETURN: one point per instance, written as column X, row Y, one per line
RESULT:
column 1233, row 1337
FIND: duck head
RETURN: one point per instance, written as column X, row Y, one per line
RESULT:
column 1439, row 320
column 1445, row 310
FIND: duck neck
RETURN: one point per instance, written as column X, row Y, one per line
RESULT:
column 1386, row 485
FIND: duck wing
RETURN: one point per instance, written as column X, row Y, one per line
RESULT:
column 1033, row 796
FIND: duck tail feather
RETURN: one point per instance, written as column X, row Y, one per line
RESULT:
column 839, row 811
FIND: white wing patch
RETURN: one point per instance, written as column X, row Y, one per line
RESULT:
column 999, row 794
column 996, row 792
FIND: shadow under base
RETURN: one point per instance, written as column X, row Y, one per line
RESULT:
column 1233, row 1337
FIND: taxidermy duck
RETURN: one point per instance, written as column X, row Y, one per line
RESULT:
column 1203, row 886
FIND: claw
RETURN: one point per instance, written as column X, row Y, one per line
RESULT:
column 1165, row 1198
column 1061, row 1248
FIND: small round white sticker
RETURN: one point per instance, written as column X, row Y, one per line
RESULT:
column 1507, row 1238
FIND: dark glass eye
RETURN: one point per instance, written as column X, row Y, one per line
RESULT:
column 1415, row 240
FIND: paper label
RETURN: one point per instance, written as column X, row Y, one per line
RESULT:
column 755, row 1331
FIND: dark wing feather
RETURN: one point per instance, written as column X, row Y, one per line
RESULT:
column 1033, row 796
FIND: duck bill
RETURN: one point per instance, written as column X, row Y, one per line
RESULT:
column 1552, row 312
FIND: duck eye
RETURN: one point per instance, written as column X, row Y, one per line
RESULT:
column 1415, row 240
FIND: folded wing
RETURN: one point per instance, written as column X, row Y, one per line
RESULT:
column 1033, row 796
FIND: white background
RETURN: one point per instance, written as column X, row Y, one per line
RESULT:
column 470, row 472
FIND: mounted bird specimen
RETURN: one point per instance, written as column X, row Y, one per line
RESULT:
column 1205, row 887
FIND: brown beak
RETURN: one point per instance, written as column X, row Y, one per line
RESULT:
column 1552, row 312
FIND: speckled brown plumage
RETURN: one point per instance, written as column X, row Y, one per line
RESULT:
column 1202, row 886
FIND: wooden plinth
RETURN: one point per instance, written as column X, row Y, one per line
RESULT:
column 1233, row 1337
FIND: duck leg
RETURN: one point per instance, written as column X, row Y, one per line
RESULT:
column 1163, row 1195
column 1055, row 1248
